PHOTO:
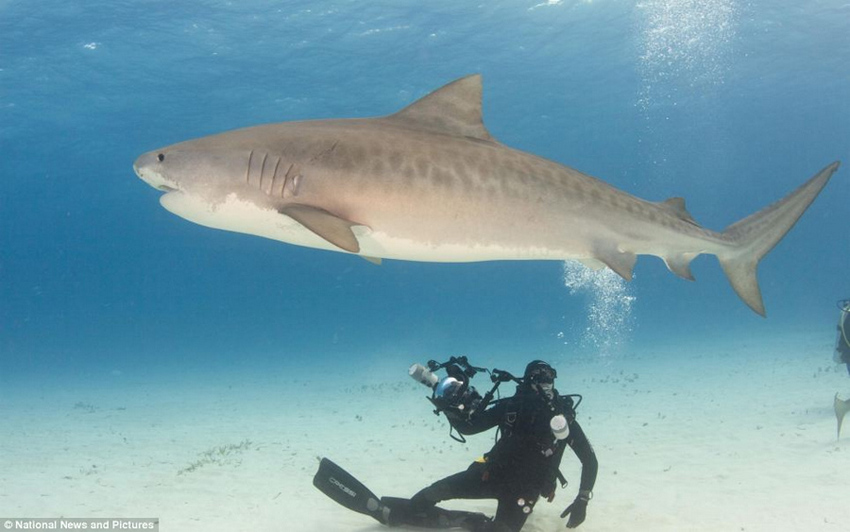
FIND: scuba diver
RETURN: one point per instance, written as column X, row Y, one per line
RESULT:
column 842, row 343
column 535, row 426
column 842, row 356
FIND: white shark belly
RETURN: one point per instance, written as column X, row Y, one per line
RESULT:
column 241, row 216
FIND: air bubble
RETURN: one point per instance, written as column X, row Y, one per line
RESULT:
column 609, row 306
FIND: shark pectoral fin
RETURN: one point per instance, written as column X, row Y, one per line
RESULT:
column 681, row 265
column 332, row 228
column 621, row 262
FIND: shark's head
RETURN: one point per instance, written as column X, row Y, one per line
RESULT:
column 202, row 181
column 198, row 176
column 238, row 186
column 187, row 168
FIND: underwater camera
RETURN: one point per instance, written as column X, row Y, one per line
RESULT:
column 453, row 395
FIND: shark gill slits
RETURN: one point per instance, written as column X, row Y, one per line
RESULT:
column 248, row 170
column 263, row 170
column 275, row 180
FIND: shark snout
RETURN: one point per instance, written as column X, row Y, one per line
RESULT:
column 147, row 167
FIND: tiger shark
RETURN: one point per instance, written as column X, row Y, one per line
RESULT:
column 429, row 183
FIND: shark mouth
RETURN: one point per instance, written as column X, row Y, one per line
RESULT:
column 158, row 182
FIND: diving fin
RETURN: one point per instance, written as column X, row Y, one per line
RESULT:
column 340, row 486
column 841, row 408
column 401, row 513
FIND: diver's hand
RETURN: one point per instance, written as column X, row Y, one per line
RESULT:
column 577, row 511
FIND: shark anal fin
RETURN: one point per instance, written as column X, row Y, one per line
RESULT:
column 681, row 265
column 335, row 230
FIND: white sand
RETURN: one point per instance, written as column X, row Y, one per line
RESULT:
column 731, row 438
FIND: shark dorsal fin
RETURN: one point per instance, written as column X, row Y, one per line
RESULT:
column 677, row 207
column 454, row 109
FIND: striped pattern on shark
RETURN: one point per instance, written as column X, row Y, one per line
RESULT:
column 429, row 183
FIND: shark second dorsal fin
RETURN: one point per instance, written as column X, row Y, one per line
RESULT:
column 454, row 109
column 677, row 207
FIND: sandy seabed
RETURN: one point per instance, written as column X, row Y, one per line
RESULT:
column 738, row 436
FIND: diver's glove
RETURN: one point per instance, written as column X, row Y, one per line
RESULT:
column 578, row 509
column 549, row 491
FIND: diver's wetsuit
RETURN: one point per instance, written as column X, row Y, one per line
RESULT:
column 521, row 466
column 842, row 344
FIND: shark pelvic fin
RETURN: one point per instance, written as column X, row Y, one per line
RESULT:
column 621, row 262
column 332, row 228
column 753, row 237
column 454, row 109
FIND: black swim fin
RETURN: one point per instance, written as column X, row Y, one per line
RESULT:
column 400, row 513
column 340, row 486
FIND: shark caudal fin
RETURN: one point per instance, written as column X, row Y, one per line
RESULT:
column 754, row 236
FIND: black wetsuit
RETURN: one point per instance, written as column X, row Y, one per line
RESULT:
column 842, row 346
column 521, row 466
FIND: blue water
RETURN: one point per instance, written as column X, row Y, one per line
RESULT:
column 729, row 104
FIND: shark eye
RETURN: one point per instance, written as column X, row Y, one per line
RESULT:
column 160, row 157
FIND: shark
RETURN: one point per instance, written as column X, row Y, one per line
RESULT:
column 429, row 183
column 841, row 407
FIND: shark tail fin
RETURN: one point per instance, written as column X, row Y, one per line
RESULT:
column 753, row 237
